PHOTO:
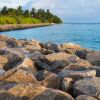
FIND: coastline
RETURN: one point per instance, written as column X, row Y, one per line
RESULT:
column 9, row 27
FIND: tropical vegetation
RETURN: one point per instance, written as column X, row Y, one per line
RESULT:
column 20, row 16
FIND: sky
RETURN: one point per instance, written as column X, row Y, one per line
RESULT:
column 74, row 10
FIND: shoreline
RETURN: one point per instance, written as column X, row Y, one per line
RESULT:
column 10, row 27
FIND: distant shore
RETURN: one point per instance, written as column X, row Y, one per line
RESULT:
column 9, row 27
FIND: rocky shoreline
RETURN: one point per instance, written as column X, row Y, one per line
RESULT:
column 31, row 70
column 10, row 27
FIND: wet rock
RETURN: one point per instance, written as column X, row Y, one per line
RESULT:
column 94, row 58
column 66, row 84
column 33, row 92
column 28, row 64
column 85, row 97
column 77, row 74
column 88, row 86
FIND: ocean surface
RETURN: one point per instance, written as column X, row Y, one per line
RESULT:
column 87, row 35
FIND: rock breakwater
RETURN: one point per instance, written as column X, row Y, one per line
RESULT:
column 31, row 70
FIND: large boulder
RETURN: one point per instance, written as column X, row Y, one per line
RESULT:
column 51, row 46
column 28, row 64
column 79, row 65
column 94, row 58
column 88, row 86
column 85, row 97
column 10, row 60
column 61, row 56
column 33, row 46
column 22, row 75
column 70, row 46
column 33, row 92
column 77, row 74
column 51, row 81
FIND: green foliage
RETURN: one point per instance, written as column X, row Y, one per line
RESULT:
column 20, row 16
column 7, row 20
column 29, row 21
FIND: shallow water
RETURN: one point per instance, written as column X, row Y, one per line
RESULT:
column 87, row 35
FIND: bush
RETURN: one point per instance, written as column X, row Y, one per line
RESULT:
column 18, row 20
column 7, row 20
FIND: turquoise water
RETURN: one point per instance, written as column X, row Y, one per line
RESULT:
column 87, row 35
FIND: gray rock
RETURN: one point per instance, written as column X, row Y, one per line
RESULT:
column 85, row 97
column 77, row 74
column 97, row 70
column 94, row 58
column 88, row 86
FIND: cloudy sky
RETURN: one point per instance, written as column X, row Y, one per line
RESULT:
column 66, row 9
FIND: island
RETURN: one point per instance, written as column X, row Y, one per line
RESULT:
column 11, row 18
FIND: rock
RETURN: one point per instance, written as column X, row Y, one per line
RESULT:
column 51, row 46
column 22, row 76
column 70, row 46
column 56, row 65
column 85, row 97
column 88, row 86
column 33, row 46
column 66, row 84
column 7, row 74
column 79, row 65
column 33, row 92
column 2, row 72
column 28, row 64
column 13, row 42
column 51, row 81
column 42, row 65
column 42, row 74
column 97, row 70
column 3, row 61
column 94, row 58
column 46, row 51
column 61, row 56
column 3, row 38
column 36, row 55
column 81, row 53
column 77, row 74
column 3, row 44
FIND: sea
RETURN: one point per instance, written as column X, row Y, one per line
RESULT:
column 85, row 34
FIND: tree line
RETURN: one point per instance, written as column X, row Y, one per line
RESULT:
column 41, row 14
